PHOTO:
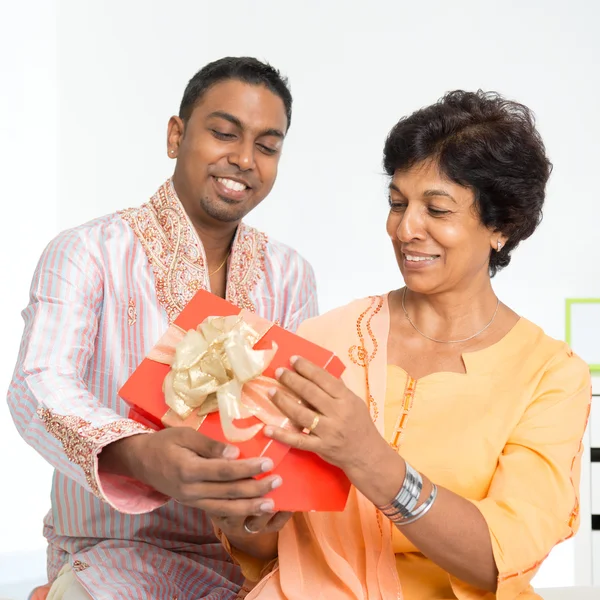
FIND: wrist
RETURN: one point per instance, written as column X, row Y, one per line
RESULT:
column 381, row 475
column 259, row 545
column 123, row 457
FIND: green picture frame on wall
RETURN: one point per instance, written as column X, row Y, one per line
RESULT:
column 582, row 329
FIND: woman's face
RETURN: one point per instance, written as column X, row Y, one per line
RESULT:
column 439, row 240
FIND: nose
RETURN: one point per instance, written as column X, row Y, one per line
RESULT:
column 411, row 226
column 242, row 156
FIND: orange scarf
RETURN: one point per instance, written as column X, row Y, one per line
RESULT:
column 348, row 555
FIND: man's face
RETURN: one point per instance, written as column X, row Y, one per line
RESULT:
column 228, row 153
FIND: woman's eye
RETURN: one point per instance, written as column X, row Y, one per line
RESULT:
column 436, row 212
column 396, row 205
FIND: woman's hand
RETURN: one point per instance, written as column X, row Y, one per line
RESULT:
column 453, row 534
column 341, row 429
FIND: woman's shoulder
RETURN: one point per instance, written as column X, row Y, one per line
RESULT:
column 554, row 358
column 340, row 320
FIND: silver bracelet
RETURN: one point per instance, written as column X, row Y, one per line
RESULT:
column 422, row 510
column 406, row 499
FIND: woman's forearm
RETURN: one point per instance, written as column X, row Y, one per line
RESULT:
column 453, row 534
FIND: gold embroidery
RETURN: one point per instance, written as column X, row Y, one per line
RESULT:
column 359, row 354
column 81, row 441
column 170, row 243
column 409, row 396
column 177, row 256
column 246, row 267
column 131, row 313
column 79, row 565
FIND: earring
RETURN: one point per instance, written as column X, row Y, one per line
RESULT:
column 499, row 245
column 172, row 151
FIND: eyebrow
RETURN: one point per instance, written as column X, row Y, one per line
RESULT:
column 220, row 114
column 430, row 193
column 426, row 193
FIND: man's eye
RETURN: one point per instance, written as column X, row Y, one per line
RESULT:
column 267, row 149
column 221, row 135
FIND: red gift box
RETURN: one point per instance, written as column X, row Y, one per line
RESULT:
column 309, row 483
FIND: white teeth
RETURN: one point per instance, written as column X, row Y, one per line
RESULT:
column 236, row 186
column 419, row 258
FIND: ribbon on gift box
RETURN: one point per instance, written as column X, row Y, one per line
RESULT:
column 215, row 368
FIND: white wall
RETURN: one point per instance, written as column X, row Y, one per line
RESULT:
column 28, row 152
column 355, row 68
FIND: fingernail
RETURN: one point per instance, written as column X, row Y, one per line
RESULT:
column 268, row 431
column 293, row 359
column 278, row 372
column 267, row 506
column 231, row 452
column 266, row 465
column 272, row 392
column 276, row 482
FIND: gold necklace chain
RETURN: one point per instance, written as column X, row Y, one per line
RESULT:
column 447, row 341
column 220, row 266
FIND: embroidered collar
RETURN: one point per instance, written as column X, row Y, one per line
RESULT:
column 177, row 256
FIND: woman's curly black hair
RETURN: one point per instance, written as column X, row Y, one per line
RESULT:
column 484, row 142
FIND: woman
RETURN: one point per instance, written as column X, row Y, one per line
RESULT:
column 458, row 422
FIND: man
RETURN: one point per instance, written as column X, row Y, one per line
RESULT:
column 129, row 511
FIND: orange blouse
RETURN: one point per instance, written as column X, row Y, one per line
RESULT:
column 505, row 435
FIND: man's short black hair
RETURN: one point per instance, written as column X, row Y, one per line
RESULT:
column 243, row 68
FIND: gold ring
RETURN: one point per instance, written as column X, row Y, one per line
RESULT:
column 314, row 424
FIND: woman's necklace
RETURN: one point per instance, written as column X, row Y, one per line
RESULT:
column 447, row 341
column 220, row 266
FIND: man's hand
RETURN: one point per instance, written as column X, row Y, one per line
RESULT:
column 253, row 535
column 245, row 527
column 194, row 470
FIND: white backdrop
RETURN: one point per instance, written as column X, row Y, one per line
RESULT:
column 28, row 153
column 92, row 86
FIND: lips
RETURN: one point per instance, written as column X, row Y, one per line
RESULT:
column 235, row 185
column 230, row 189
column 418, row 261
column 420, row 257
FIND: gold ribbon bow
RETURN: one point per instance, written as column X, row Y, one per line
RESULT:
column 215, row 368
